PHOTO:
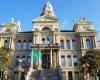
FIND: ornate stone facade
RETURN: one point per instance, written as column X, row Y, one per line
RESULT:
column 60, row 48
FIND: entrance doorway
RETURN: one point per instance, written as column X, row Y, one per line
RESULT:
column 46, row 61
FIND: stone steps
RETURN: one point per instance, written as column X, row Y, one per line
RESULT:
column 46, row 74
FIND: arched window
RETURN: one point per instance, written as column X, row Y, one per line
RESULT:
column 23, row 61
column 62, row 44
column 6, row 44
column 88, row 43
column 68, row 44
column 74, row 44
column 24, row 44
column 75, row 60
column 69, row 61
column 23, row 58
column 62, row 60
column 30, row 44
column 17, row 57
column 19, row 46
column 46, row 29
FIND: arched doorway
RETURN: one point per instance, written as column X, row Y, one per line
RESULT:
column 45, row 61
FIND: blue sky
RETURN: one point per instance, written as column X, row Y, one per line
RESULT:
column 66, row 10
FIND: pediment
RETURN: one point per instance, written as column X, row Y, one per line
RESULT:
column 45, row 18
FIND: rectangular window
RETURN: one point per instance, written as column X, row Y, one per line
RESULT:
column 70, row 77
column 62, row 60
column 75, row 60
column 24, row 45
column 19, row 46
column 69, row 61
column 76, row 76
column 88, row 43
column 30, row 45
column 62, row 44
column 67, row 44
column 63, row 75
column 74, row 44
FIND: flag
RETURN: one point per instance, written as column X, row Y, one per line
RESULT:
column 35, row 54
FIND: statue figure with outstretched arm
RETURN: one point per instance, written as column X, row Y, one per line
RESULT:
column 86, row 72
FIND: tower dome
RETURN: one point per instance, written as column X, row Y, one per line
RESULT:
column 48, row 10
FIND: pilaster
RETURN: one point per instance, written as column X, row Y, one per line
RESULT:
column 0, row 42
column 84, row 42
column 40, row 63
column 51, row 59
column 54, row 39
column 70, row 44
column 73, row 75
column 95, row 42
column 10, row 42
column 59, row 59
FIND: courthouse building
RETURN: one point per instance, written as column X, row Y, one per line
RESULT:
column 61, row 49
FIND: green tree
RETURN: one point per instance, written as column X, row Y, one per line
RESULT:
column 6, row 55
column 92, row 57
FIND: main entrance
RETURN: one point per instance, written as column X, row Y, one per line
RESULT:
column 45, row 61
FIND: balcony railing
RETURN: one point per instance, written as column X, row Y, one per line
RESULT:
column 47, row 46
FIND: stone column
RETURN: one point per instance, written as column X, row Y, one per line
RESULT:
column 84, row 42
column 66, row 75
column 0, row 41
column 71, row 47
column 3, row 38
column 59, row 59
column 34, row 39
column 54, row 59
column 40, row 63
column 72, row 61
column 95, row 42
column 82, row 46
column 40, row 37
column 73, row 75
column 51, row 59
column 53, row 39
column 10, row 42
column 92, row 42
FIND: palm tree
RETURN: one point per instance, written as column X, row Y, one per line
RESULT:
column 6, row 55
column 92, row 57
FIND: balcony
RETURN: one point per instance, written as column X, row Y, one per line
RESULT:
column 47, row 46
